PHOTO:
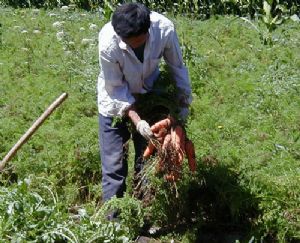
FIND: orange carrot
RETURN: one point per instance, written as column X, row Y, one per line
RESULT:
column 172, row 176
column 149, row 150
column 166, row 142
column 161, row 133
column 179, row 157
column 191, row 156
column 169, row 177
column 165, row 123
column 173, row 138
column 175, row 175
column 179, row 137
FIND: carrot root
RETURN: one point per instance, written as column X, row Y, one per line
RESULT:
column 165, row 123
column 191, row 156
column 166, row 142
column 149, row 150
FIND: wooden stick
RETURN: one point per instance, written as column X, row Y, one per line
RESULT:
column 32, row 129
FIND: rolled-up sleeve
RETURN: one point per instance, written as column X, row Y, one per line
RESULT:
column 173, row 57
column 114, row 96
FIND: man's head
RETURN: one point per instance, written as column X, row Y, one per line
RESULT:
column 131, row 21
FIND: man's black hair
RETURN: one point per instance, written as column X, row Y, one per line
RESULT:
column 131, row 19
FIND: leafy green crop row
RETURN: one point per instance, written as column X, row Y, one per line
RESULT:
column 195, row 8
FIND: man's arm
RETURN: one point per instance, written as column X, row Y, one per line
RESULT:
column 141, row 125
column 113, row 91
column 133, row 115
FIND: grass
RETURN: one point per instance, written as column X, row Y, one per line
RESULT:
column 246, row 115
column 245, row 123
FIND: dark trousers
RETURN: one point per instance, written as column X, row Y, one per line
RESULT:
column 114, row 154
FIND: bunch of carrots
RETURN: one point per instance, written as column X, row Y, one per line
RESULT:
column 170, row 144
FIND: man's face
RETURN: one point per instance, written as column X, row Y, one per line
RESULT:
column 136, row 41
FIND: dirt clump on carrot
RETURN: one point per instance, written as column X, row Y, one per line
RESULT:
column 170, row 145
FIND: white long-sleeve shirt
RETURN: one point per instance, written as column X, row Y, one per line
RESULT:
column 122, row 74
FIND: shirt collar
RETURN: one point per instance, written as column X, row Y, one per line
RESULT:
column 122, row 44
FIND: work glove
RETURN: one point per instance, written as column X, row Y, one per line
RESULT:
column 184, row 113
column 144, row 129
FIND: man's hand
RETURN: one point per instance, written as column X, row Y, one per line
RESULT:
column 144, row 129
column 141, row 125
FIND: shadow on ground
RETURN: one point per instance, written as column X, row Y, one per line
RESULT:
column 218, row 209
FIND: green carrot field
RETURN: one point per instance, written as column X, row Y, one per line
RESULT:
column 245, row 123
